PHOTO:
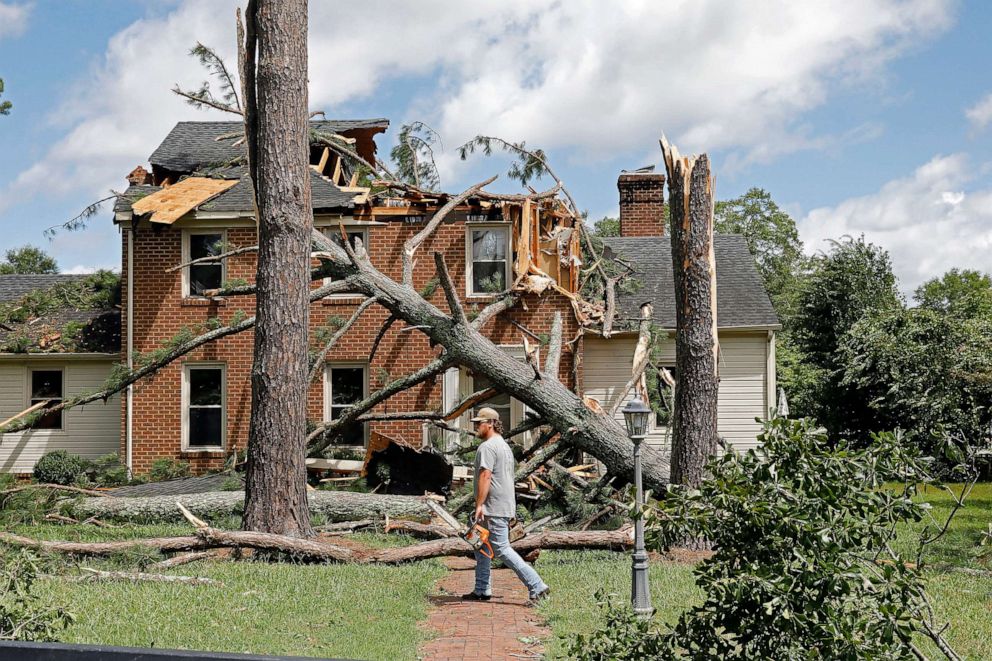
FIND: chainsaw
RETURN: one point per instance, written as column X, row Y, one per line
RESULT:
column 476, row 534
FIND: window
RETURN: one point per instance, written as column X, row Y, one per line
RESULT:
column 488, row 263
column 345, row 386
column 46, row 386
column 205, row 275
column 203, row 392
column 355, row 234
column 501, row 402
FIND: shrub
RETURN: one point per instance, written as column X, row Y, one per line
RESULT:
column 623, row 637
column 168, row 469
column 800, row 530
column 60, row 467
column 22, row 617
column 108, row 471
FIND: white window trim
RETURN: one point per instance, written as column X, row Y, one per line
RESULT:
column 471, row 227
column 27, row 399
column 351, row 228
column 223, row 407
column 518, row 410
column 186, row 256
column 327, row 398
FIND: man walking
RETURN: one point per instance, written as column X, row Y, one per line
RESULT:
column 495, row 506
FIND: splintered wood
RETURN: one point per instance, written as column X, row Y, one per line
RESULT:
column 170, row 204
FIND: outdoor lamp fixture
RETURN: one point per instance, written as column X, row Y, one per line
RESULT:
column 636, row 415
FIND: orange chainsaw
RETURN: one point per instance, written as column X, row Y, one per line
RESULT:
column 476, row 534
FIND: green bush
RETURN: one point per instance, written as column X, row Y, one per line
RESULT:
column 623, row 636
column 168, row 469
column 60, row 467
column 108, row 471
column 802, row 564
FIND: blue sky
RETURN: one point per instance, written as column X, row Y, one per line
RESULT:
column 858, row 116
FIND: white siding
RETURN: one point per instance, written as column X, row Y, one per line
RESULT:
column 743, row 375
column 90, row 431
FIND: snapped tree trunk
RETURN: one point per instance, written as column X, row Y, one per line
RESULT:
column 696, row 350
column 278, row 147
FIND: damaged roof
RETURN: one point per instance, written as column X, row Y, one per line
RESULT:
column 325, row 195
column 193, row 145
column 742, row 301
column 93, row 330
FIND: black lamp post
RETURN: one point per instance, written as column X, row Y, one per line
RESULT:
column 636, row 415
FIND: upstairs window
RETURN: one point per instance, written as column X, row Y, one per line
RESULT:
column 204, row 407
column 46, row 386
column 355, row 234
column 205, row 275
column 488, row 261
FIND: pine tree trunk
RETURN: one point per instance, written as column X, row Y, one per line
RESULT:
column 694, row 437
column 276, row 499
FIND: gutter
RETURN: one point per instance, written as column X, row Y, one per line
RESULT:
column 129, row 410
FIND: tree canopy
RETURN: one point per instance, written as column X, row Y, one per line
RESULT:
column 772, row 238
column 28, row 259
column 5, row 106
column 960, row 293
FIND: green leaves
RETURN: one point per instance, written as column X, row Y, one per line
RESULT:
column 5, row 106
column 800, row 531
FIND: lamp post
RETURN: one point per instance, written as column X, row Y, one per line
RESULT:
column 636, row 415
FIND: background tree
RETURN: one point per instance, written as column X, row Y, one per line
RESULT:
column 28, row 259
column 924, row 371
column 852, row 281
column 5, row 106
column 960, row 293
column 414, row 155
column 606, row 226
column 773, row 240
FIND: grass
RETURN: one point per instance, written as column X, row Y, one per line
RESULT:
column 373, row 612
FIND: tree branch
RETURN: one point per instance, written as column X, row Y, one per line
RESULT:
column 553, row 359
column 207, row 101
column 642, row 354
column 455, row 305
column 381, row 334
column 318, row 361
column 414, row 242
column 203, row 260
column 495, row 308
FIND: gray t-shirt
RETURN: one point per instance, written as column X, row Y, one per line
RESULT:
column 496, row 455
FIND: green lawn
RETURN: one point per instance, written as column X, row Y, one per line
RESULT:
column 374, row 612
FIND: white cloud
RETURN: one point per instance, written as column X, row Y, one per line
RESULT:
column 13, row 19
column 595, row 77
column 936, row 219
column 980, row 114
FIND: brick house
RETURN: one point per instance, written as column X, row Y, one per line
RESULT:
column 197, row 408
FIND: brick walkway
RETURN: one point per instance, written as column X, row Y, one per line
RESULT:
column 504, row 628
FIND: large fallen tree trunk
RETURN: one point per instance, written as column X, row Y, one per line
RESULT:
column 464, row 343
column 323, row 551
column 331, row 505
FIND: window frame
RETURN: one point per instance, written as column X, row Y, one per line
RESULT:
column 518, row 410
column 28, row 389
column 186, row 257
column 328, row 406
column 327, row 231
column 469, row 262
column 187, row 368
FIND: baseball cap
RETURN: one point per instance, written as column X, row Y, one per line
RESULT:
column 486, row 415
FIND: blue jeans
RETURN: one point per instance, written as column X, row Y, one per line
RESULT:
column 499, row 537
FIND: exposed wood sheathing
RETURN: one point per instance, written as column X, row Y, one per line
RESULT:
column 170, row 204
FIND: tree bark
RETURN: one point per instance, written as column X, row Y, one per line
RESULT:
column 333, row 506
column 323, row 551
column 694, row 437
column 276, row 499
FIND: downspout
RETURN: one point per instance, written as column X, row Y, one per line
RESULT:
column 129, row 411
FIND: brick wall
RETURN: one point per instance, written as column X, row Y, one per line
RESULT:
column 642, row 204
column 161, row 312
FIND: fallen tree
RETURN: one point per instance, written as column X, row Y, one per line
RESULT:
column 318, row 550
column 332, row 506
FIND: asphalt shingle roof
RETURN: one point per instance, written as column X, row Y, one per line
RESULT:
column 193, row 145
column 741, row 297
column 325, row 195
column 14, row 286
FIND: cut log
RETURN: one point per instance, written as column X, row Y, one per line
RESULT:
column 333, row 506
column 416, row 529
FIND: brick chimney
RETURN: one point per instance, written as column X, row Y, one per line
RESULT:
column 642, row 204
column 140, row 176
